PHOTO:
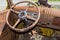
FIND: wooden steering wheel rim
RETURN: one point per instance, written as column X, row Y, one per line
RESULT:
column 24, row 29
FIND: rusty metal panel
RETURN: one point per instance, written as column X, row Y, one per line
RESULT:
column 7, row 34
column 56, row 21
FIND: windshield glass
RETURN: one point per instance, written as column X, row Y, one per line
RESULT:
column 15, row 1
column 22, row 4
column 54, row 3
column 3, row 5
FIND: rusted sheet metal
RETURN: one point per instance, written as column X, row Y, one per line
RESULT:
column 44, row 11
column 2, row 20
column 56, row 21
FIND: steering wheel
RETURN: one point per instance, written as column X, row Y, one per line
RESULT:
column 23, row 15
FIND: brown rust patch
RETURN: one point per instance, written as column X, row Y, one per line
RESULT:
column 2, row 21
column 56, row 21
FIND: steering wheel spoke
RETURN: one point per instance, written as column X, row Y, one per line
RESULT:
column 16, row 23
column 31, row 18
column 14, row 11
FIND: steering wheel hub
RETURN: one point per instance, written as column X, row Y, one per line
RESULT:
column 22, row 15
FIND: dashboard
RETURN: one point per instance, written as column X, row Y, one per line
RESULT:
column 46, row 19
column 33, row 14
